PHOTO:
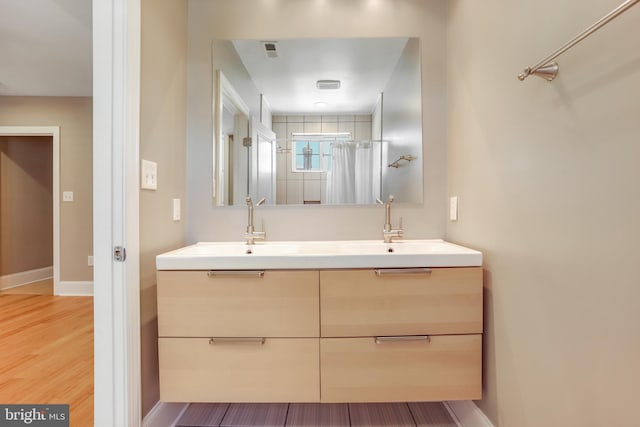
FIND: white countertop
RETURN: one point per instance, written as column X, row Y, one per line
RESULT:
column 319, row 255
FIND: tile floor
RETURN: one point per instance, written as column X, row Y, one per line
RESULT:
column 420, row 414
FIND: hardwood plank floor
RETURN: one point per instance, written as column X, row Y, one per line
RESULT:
column 46, row 352
column 42, row 287
column 425, row 414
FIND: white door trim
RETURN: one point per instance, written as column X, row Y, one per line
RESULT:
column 54, row 132
column 116, row 105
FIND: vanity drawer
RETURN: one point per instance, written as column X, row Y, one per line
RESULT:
column 272, row 370
column 238, row 304
column 405, row 302
column 361, row 370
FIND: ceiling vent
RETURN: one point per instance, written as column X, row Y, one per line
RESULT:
column 271, row 48
column 328, row 84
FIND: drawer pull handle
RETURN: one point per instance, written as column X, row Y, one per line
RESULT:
column 235, row 273
column 214, row 341
column 405, row 338
column 401, row 271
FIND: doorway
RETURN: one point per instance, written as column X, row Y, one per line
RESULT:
column 29, row 219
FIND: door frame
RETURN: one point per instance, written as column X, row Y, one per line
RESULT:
column 116, row 136
column 54, row 133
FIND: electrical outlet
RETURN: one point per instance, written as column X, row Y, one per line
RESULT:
column 453, row 208
column 67, row 196
column 90, row 260
column 176, row 209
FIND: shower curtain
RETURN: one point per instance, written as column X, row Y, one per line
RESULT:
column 351, row 178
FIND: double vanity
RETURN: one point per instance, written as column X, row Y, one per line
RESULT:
column 343, row 321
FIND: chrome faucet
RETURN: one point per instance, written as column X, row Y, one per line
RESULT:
column 251, row 235
column 388, row 231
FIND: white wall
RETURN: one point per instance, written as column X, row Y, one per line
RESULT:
column 225, row 58
column 547, row 175
column 221, row 19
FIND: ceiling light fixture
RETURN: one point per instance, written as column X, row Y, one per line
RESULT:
column 321, row 104
column 328, row 84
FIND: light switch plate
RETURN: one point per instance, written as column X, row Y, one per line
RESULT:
column 67, row 196
column 149, row 175
column 453, row 208
column 176, row 209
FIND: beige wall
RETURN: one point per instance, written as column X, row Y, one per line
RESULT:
column 26, row 203
column 74, row 117
column 547, row 175
column 250, row 19
column 162, row 140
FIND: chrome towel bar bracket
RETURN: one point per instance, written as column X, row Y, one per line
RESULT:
column 547, row 69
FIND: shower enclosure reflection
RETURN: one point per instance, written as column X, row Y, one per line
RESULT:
column 331, row 168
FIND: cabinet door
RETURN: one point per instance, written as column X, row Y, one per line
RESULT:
column 229, row 304
column 366, row 370
column 269, row 370
column 406, row 302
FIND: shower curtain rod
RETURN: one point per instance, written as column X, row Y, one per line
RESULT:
column 547, row 69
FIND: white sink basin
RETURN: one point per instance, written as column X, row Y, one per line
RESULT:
column 320, row 254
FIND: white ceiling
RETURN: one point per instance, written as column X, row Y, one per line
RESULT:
column 288, row 82
column 45, row 50
column 45, row 47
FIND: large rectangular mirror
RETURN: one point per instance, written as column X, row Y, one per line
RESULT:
column 317, row 121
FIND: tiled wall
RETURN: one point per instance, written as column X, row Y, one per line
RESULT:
column 296, row 188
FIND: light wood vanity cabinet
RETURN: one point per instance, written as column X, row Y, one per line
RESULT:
column 329, row 335
column 238, row 336
column 401, row 302
column 269, row 370
column 440, row 367
column 274, row 303
column 395, row 335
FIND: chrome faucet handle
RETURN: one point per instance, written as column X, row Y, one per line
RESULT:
column 249, row 201
column 251, row 235
column 388, row 232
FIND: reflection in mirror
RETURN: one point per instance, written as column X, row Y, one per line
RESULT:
column 230, row 157
column 317, row 121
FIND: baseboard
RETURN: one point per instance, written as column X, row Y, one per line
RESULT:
column 25, row 277
column 164, row 414
column 468, row 414
column 80, row 289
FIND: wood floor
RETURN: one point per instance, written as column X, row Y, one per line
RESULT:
column 421, row 414
column 42, row 287
column 46, row 353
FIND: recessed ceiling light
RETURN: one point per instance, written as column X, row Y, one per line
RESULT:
column 321, row 104
column 328, row 84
